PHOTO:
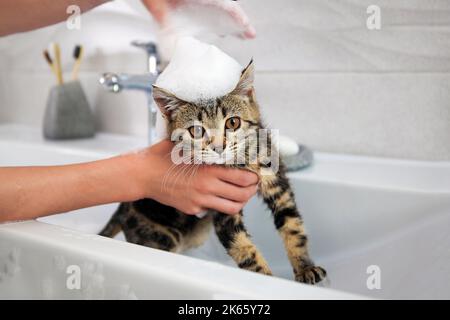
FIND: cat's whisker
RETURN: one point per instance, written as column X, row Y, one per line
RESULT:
column 169, row 172
column 188, row 172
column 166, row 177
column 179, row 174
column 176, row 173
column 193, row 174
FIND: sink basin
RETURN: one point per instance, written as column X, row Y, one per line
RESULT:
column 362, row 214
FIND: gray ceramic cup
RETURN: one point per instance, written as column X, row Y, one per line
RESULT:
column 68, row 114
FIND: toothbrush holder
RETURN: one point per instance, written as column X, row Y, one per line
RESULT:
column 68, row 114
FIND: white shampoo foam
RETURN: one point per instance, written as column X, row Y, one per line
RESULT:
column 199, row 71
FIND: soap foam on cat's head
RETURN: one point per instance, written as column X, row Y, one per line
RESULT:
column 199, row 71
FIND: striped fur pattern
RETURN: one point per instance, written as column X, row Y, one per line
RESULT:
column 149, row 223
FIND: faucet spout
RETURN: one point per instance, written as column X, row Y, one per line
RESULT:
column 143, row 82
column 152, row 55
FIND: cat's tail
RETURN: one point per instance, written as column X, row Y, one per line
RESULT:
column 114, row 226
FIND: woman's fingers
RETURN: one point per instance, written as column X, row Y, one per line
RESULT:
column 240, row 18
column 222, row 205
column 238, row 177
column 229, row 8
column 229, row 191
column 158, row 9
column 233, row 192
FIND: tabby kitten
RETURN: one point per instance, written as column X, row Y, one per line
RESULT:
column 233, row 118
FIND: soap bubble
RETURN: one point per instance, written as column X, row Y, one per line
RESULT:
column 199, row 71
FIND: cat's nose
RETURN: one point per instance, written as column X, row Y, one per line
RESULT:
column 218, row 149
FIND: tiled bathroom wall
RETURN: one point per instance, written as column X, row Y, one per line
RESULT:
column 323, row 77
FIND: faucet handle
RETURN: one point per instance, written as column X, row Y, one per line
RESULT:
column 110, row 81
column 148, row 46
column 152, row 54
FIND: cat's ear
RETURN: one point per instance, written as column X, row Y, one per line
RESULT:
column 245, row 84
column 166, row 101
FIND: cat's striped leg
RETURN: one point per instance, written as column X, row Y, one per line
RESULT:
column 141, row 231
column 277, row 194
column 113, row 227
column 158, row 239
column 232, row 234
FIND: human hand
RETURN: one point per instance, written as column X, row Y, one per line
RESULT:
column 193, row 188
column 160, row 8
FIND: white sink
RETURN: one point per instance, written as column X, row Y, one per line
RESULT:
column 359, row 211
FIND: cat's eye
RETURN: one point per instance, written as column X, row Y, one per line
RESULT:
column 196, row 131
column 233, row 123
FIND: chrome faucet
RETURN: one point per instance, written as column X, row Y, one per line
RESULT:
column 143, row 82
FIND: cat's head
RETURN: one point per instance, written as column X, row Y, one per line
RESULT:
column 217, row 127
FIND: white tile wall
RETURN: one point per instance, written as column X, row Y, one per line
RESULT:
column 385, row 114
column 331, row 35
column 323, row 77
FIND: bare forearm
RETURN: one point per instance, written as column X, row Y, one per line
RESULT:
column 30, row 192
column 24, row 15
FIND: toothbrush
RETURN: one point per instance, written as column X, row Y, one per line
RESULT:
column 77, row 55
column 50, row 62
column 57, row 51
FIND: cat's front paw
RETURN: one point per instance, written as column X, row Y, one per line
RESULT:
column 311, row 275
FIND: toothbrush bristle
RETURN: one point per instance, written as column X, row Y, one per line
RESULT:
column 76, row 52
column 47, row 57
